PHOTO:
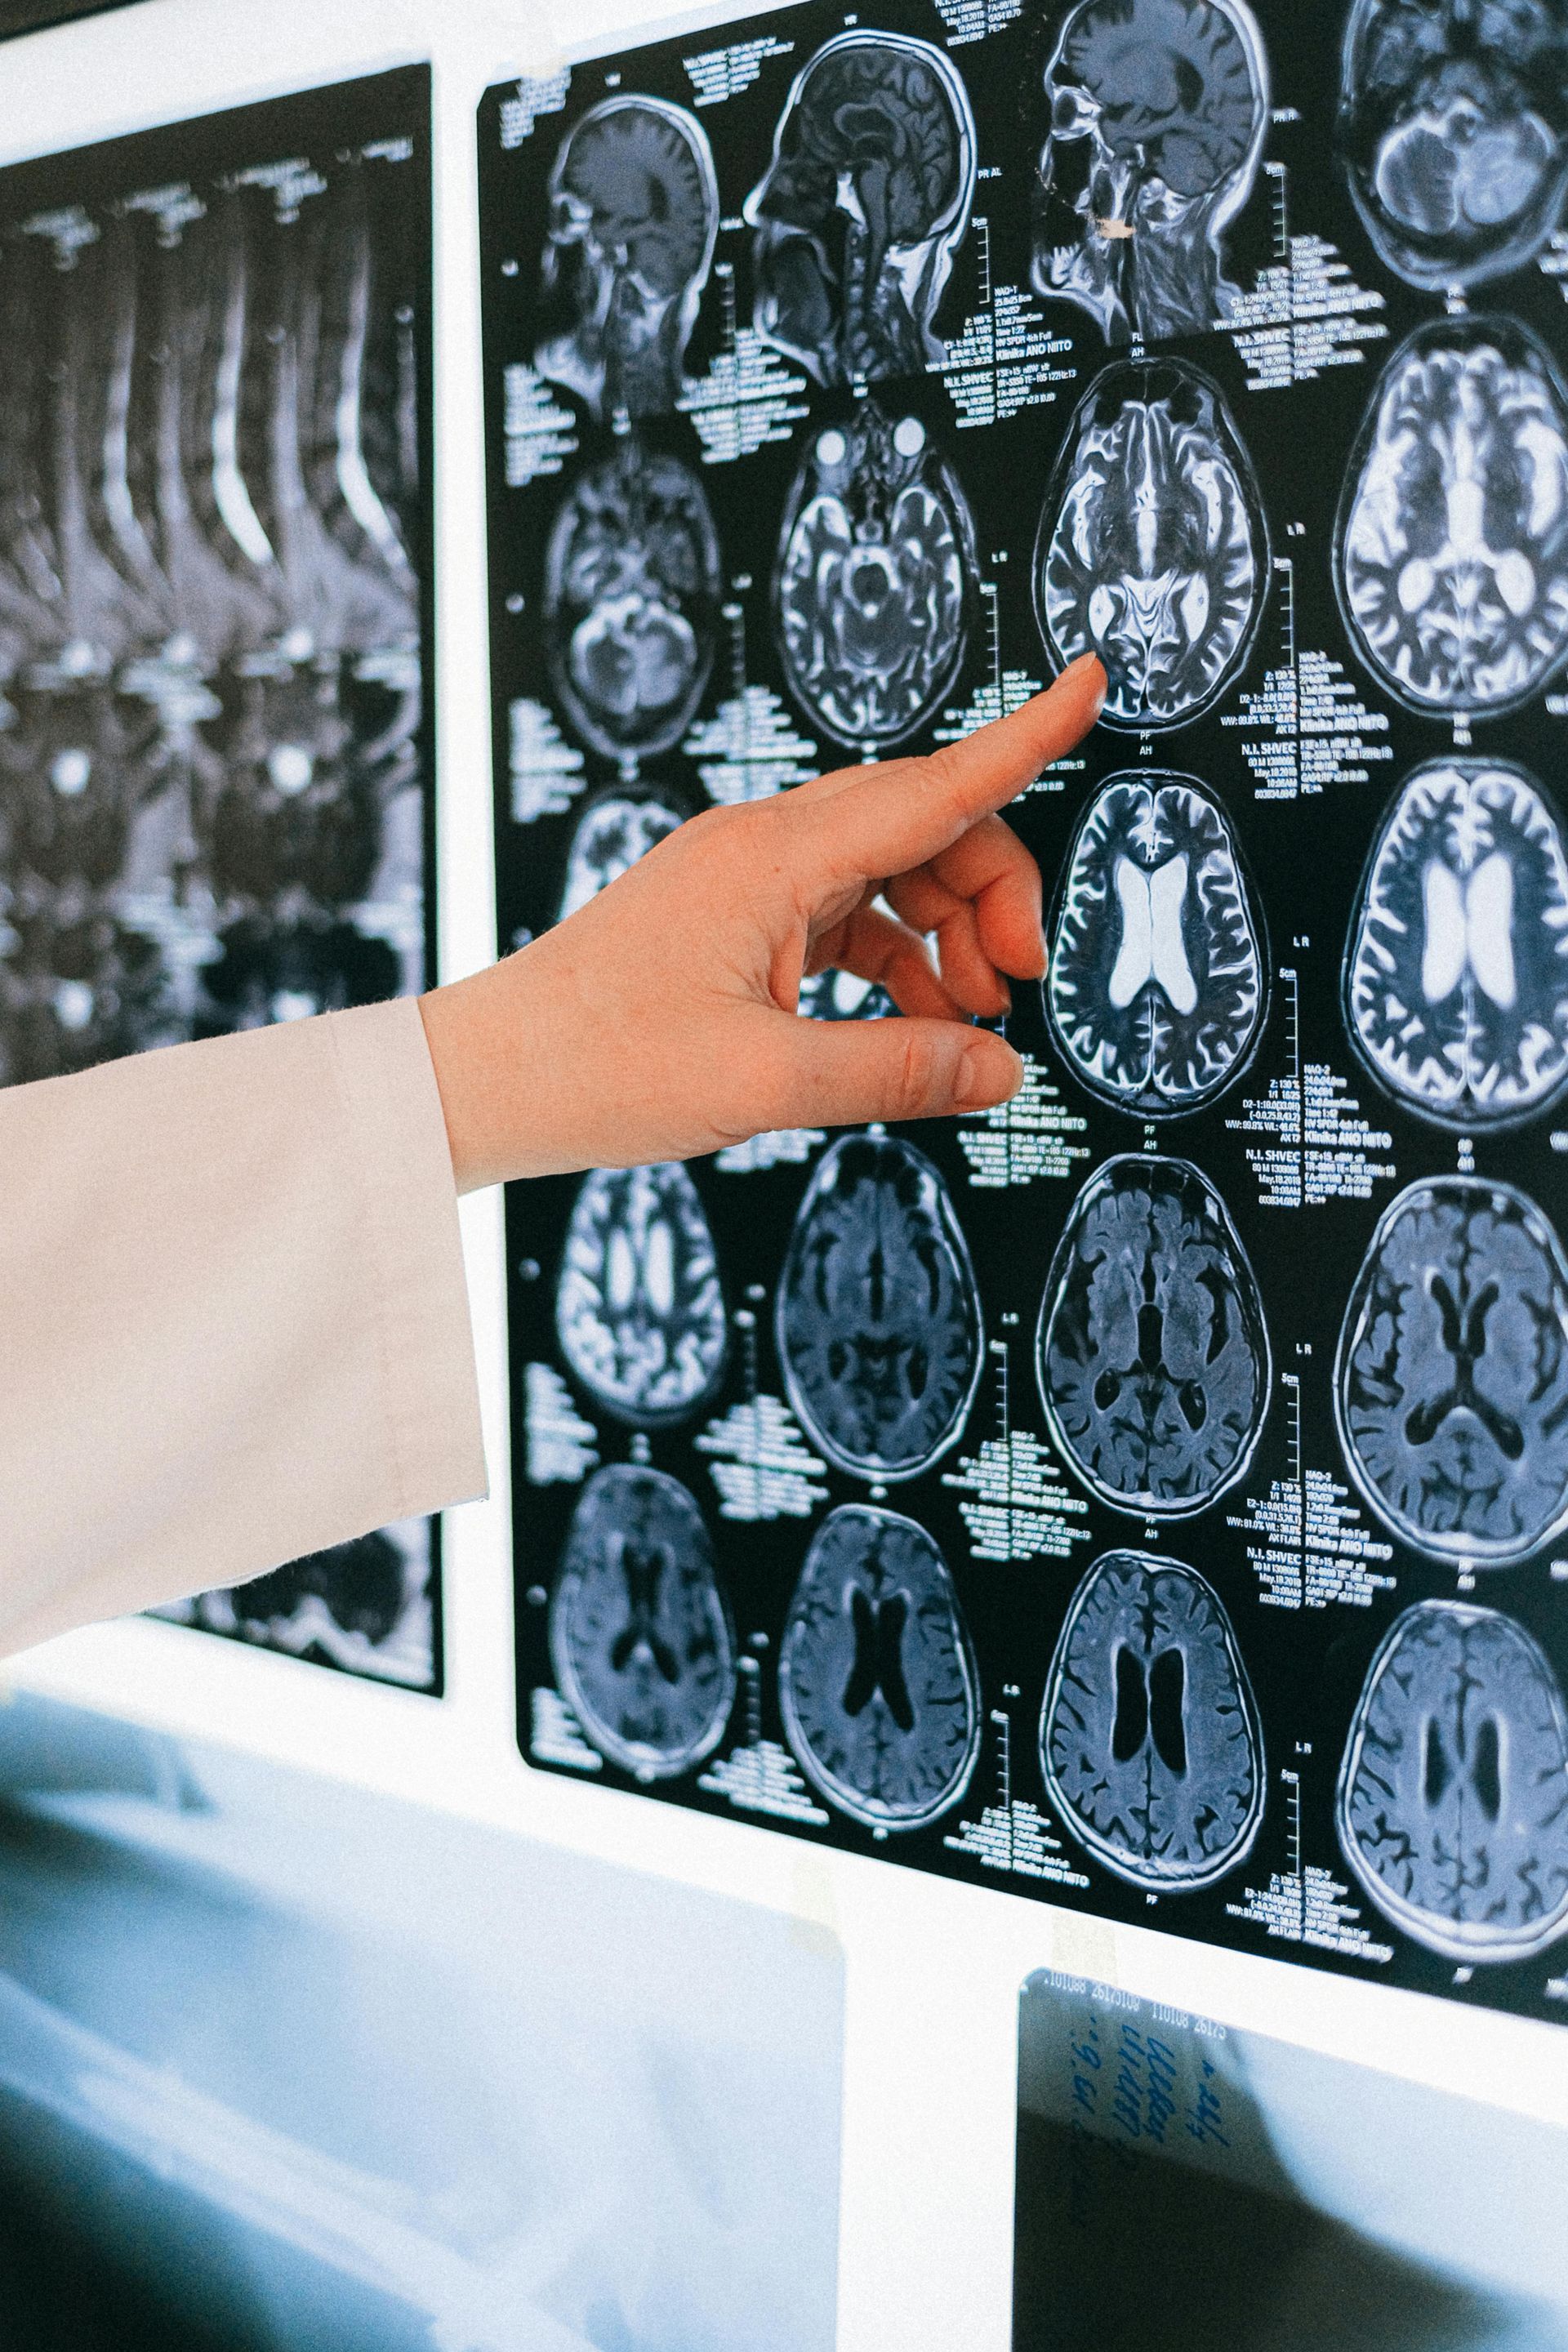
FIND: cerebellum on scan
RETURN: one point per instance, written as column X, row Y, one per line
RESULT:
column 1157, row 988
column 632, row 583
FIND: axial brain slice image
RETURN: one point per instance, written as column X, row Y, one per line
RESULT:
column 615, row 829
column 631, row 600
column 1453, row 1796
column 878, row 1684
column 1157, row 113
column 877, row 1318
column 1151, row 1352
column 855, row 223
column 639, row 1635
column 875, row 580
column 1150, row 1739
column 1452, row 1380
column 633, row 212
column 1452, row 543
column 1153, row 550
column 1452, row 129
column 639, row 1311
column 1457, row 975
column 1156, row 989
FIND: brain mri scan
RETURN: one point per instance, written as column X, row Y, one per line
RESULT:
column 1453, row 131
column 1451, row 548
column 615, row 830
column 835, row 995
column 639, row 1634
column 634, row 210
column 875, row 588
column 1157, row 987
column 1153, row 550
column 878, row 1319
column 631, row 601
column 878, row 1684
column 639, row 1311
column 1157, row 110
column 1152, row 1351
column 1451, row 1386
column 1453, row 1796
column 1456, row 971
column 855, row 223
column 1150, row 1737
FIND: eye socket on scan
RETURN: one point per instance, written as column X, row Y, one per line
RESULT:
column 876, row 582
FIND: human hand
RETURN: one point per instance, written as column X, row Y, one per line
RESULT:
column 659, row 1021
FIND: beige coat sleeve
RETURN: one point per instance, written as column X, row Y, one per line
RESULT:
column 234, row 1325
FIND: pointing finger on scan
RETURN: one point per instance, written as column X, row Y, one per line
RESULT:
column 885, row 820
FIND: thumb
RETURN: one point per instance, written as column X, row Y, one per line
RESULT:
column 845, row 1073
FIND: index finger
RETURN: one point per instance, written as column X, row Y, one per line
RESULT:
column 887, row 819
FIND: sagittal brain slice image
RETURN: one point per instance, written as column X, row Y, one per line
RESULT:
column 1453, row 1795
column 1157, row 988
column 1453, row 131
column 1451, row 1386
column 1153, row 550
column 633, row 212
column 1151, row 1352
column 1452, row 543
column 878, row 1319
column 639, row 1634
column 876, row 579
column 878, row 1683
column 615, row 829
column 855, row 223
column 1456, row 971
column 631, row 601
column 1157, row 112
column 640, row 1309
column 1150, row 1737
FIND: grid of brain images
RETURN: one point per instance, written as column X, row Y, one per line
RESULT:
column 212, row 751
column 838, row 1354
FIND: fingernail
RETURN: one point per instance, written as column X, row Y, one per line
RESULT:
column 983, row 1079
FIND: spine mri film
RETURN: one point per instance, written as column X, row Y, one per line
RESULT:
column 216, row 746
column 1094, row 1496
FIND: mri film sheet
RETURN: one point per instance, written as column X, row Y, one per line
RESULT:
column 216, row 804
column 1151, row 1495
